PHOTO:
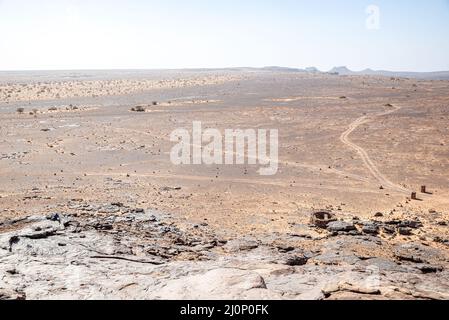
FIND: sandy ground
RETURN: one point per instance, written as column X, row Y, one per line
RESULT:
column 334, row 152
column 350, row 144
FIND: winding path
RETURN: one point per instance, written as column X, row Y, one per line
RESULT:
column 369, row 164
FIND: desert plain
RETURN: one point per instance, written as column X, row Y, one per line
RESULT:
column 92, row 207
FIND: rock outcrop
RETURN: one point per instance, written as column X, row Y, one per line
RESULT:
column 126, row 253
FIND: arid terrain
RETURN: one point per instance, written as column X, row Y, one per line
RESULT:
column 92, row 207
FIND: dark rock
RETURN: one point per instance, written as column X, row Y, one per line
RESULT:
column 429, row 269
column 117, row 204
column 379, row 214
column 441, row 240
column 392, row 222
column 11, row 295
column 321, row 219
column 12, row 241
column 388, row 229
column 296, row 260
column 371, row 228
column 410, row 224
column 403, row 231
column 54, row 217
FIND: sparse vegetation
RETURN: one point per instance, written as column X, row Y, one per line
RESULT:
column 52, row 109
column 138, row 109
column 20, row 110
column 154, row 103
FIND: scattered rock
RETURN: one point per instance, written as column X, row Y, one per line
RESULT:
column 341, row 226
column 292, row 259
column 410, row 224
column 388, row 229
column 429, row 268
column 138, row 109
column 240, row 245
column 379, row 214
column 321, row 219
column 6, row 294
column 417, row 253
column 404, row 231
column 371, row 228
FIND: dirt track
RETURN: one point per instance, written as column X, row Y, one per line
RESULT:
column 385, row 183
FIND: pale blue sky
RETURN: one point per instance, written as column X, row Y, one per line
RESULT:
column 103, row 34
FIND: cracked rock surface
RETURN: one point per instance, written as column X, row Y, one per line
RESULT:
column 126, row 253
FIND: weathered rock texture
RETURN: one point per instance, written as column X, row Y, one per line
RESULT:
column 123, row 253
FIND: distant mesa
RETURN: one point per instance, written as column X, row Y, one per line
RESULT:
column 341, row 71
column 344, row 71
column 312, row 70
column 282, row 69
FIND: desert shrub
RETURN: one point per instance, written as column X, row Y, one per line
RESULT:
column 154, row 103
column 20, row 110
column 138, row 109
column 52, row 109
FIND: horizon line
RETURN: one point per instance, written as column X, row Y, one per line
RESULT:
column 216, row 68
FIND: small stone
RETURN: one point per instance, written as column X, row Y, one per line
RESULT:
column 403, row 231
column 117, row 204
column 54, row 217
column 379, row 214
column 296, row 260
column 371, row 228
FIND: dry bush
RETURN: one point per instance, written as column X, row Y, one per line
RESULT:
column 138, row 109
column 20, row 110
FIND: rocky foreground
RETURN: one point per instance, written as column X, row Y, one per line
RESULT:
column 98, row 251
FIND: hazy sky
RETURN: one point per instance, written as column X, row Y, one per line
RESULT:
column 97, row 34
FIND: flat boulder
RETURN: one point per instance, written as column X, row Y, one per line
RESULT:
column 222, row 283
column 240, row 245
column 371, row 228
column 341, row 226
